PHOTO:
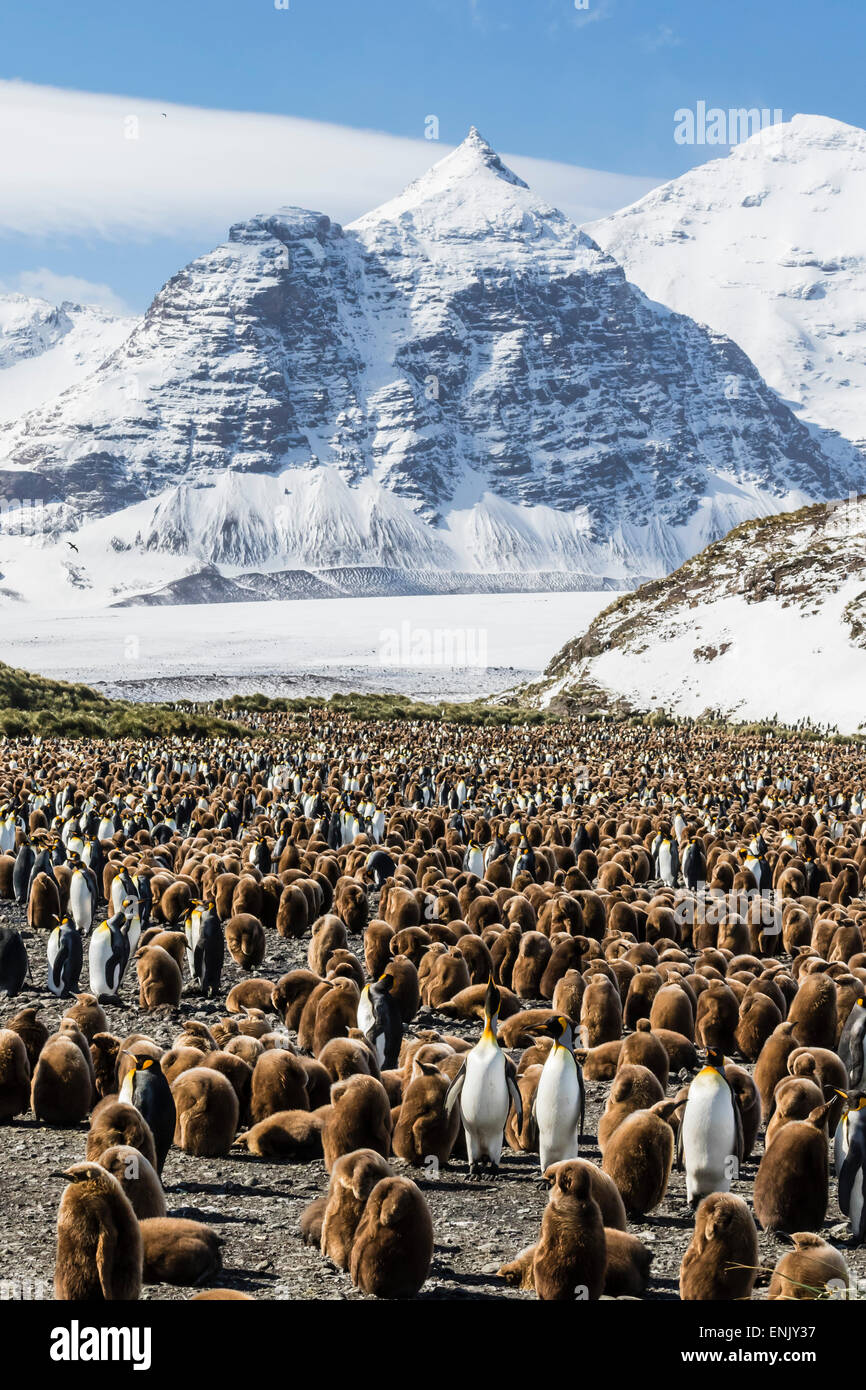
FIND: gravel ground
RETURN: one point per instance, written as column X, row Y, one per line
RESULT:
column 255, row 1204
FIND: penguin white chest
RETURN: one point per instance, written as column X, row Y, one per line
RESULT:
column 557, row 1108
column 484, row 1102
column 709, row 1136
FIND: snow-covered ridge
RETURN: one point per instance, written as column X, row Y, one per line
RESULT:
column 768, row 245
column 771, row 620
column 460, row 381
column 46, row 348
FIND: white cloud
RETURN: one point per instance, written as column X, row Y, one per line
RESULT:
column 79, row 164
column 46, row 284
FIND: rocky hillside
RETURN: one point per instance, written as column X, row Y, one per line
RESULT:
column 771, row 620
column 460, row 381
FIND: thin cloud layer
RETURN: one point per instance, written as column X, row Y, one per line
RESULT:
column 75, row 164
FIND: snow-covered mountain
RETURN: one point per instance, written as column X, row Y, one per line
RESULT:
column 461, row 380
column 771, row 620
column 768, row 246
column 45, row 348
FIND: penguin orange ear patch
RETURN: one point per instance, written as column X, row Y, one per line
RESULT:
column 148, row 1062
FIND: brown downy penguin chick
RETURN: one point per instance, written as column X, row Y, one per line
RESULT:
column 571, row 1252
column 682, row 1053
column 245, row 939
column 759, row 1017
column 105, row 1053
column 813, row 1011
column 359, row 1118
column 634, row 1088
column 772, row 1064
column 310, row 1223
column 248, row 1049
column 805, row 1271
column 345, row 1057
column 748, row 1099
column 353, row 1178
column 336, row 1014
column 89, row 1014
column 116, row 1122
column 178, row 1251
column 68, row 1028
column 568, row 995
column 159, row 979
column 792, row 1185
column 523, row 1138
column 604, row 1191
column 14, row 1076
column 795, row 1098
column 179, row 1059
column 137, row 1177
column 99, row 1248
column 600, row 1012
column 289, row 1134
column 532, row 958
column 627, row 1270
column 32, row 1032
column 207, row 1112
column 644, row 1049
column 717, row 1017
column 721, row 1261
column 672, row 1009
column 279, row 1083
column 237, row 1072
column 600, row 1063
column 61, row 1091
column 252, row 993
column 393, row 1246
column 638, row 1157
column 423, row 1130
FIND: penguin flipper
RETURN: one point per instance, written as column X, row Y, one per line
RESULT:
column 533, row 1120
column 514, row 1090
column 452, row 1095
column 679, row 1154
column 739, row 1141
column 855, row 1065
column 855, row 1161
column 57, row 967
column 846, row 1183
column 198, row 960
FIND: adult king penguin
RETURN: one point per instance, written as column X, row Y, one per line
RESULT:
column 145, row 1087
column 560, row 1099
column 108, row 955
column 850, row 1160
column 65, row 958
column 710, row 1139
column 13, row 962
column 385, row 1032
column 209, row 952
column 851, row 1044
column 485, row 1087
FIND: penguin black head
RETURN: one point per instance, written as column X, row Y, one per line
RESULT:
column 715, row 1058
column 553, row 1027
column 492, row 1000
column 385, row 983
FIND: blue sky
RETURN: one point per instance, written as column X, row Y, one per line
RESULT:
column 595, row 88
